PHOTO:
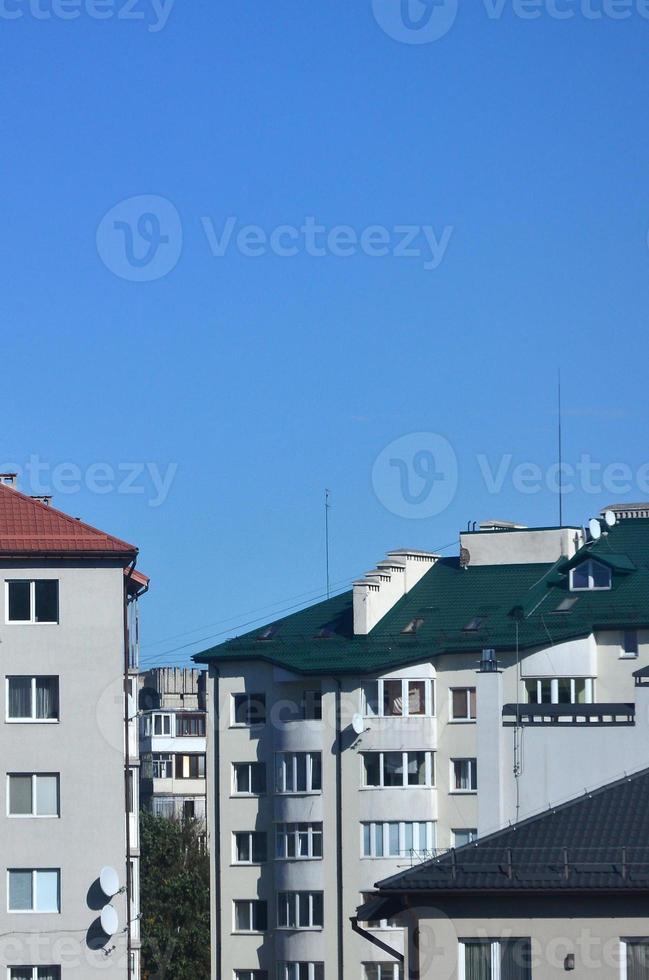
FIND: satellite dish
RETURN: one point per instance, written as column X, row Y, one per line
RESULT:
column 610, row 518
column 109, row 881
column 358, row 724
column 595, row 528
column 109, row 920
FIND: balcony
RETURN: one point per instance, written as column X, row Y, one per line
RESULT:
column 568, row 714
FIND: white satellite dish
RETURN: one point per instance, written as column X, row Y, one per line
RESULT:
column 109, row 881
column 595, row 528
column 358, row 724
column 109, row 920
column 610, row 518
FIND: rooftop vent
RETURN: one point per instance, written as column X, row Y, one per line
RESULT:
column 501, row 526
column 9, row 480
column 43, row 499
column 628, row 511
column 488, row 662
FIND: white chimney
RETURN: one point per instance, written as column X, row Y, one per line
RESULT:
column 379, row 590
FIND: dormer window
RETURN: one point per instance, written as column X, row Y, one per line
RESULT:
column 589, row 576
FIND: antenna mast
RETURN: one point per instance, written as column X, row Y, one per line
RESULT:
column 560, row 433
column 327, row 508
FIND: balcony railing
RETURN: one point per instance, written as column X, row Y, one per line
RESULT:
column 569, row 714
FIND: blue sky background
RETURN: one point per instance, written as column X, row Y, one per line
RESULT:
column 268, row 379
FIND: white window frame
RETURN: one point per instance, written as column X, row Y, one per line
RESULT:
column 286, row 765
column 34, row 910
column 629, row 941
column 385, row 968
column 34, row 969
column 463, row 719
column 32, row 621
column 250, row 834
column 33, row 720
column 591, row 587
column 164, row 716
column 473, row 776
column 382, row 828
column 589, row 689
column 252, row 903
column 249, row 697
column 429, row 697
column 429, row 774
column 472, row 831
column 34, row 777
column 290, row 897
column 250, row 975
column 287, row 830
column 247, row 793
column 286, row 969
column 164, row 758
column 634, row 653
column 495, row 953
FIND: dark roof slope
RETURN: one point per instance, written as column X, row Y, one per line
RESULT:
column 29, row 527
column 499, row 598
column 598, row 841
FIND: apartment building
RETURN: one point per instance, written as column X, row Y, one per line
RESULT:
column 563, row 892
column 68, row 639
column 371, row 731
column 173, row 718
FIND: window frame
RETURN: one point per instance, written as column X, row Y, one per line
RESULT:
column 495, row 945
column 34, row 910
column 471, row 831
column 50, row 967
column 589, row 689
column 254, row 905
column 190, row 756
column 384, row 826
column 249, row 793
column 32, row 603
column 291, row 829
column 385, row 968
column 286, row 969
column 33, row 719
column 430, row 769
column 429, row 697
column 591, row 587
column 294, row 897
column 632, row 651
column 249, row 698
column 250, row 834
column 162, row 758
column 254, row 974
column 282, row 760
column 472, row 700
column 191, row 716
column 34, row 777
column 473, row 776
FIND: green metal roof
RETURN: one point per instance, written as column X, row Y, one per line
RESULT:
column 497, row 598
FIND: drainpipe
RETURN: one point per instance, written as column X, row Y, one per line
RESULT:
column 215, row 844
column 339, row 831
column 127, row 778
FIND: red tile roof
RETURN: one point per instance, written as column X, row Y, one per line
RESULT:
column 28, row 527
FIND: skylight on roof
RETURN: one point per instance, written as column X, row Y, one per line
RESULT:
column 566, row 604
column 474, row 624
column 413, row 626
column 325, row 632
column 268, row 633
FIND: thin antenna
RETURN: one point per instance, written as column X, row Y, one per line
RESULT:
column 560, row 432
column 327, row 507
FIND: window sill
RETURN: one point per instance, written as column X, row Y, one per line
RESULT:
column 628, row 656
column 33, row 816
column 463, row 792
column 399, row 788
column 299, row 928
column 32, row 721
column 298, row 860
column 241, row 728
column 247, row 932
column 299, row 793
column 462, row 721
column 247, row 796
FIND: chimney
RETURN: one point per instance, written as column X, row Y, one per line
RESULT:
column 43, row 498
column 379, row 590
column 9, row 480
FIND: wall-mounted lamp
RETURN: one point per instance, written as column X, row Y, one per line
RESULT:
column 569, row 962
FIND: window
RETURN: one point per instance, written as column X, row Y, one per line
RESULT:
column 301, row 841
column 300, row 971
column 508, row 959
column 398, row 839
column 33, row 795
column 312, row 706
column 249, row 847
column 190, row 767
column 464, row 836
column 161, row 725
column 250, row 916
column 398, row 769
column 382, row 971
column 413, row 626
column 189, row 809
column 162, row 765
column 630, row 644
column 300, row 910
column 190, row 726
column 392, row 923
column 398, row 698
column 590, row 575
column 248, row 709
column 249, row 778
column 635, row 959
column 33, row 601
column 560, row 690
column 35, row 973
column 463, row 704
column 464, row 775
column 250, row 975
column 33, row 891
column 32, row 698
column 298, row 772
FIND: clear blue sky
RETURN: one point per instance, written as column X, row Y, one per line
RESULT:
column 268, row 378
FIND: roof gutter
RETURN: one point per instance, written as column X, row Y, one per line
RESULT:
column 129, row 796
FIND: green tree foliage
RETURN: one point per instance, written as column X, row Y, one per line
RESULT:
column 175, row 900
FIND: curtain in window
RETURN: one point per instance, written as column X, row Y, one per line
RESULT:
column 477, row 959
column 20, row 891
column 21, row 973
column 637, row 961
column 416, row 697
column 515, row 959
column 20, row 697
column 392, row 698
column 47, row 697
column 20, row 795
